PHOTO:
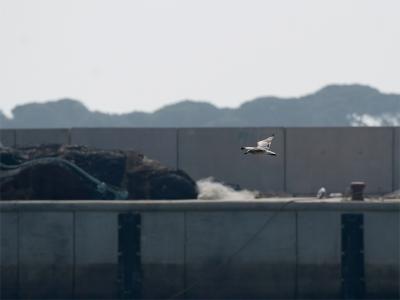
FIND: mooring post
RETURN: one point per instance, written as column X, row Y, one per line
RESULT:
column 357, row 190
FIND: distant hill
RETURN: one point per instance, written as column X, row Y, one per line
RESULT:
column 333, row 105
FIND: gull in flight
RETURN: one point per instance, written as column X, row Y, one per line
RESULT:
column 263, row 147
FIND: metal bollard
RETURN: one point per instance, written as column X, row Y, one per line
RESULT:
column 357, row 190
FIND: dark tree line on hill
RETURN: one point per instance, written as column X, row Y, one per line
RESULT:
column 334, row 105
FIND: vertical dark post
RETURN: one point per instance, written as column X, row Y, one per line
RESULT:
column 353, row 284
column 129, row 261
column 357, row 190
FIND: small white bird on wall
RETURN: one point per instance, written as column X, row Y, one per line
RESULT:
column 263, row 147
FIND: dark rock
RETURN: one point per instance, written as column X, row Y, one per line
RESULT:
column 107, row 166
column 151, row 181
column 50, row 179
column 78, row 172
column 10, row 156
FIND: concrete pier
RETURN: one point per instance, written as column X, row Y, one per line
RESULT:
column 275, row 248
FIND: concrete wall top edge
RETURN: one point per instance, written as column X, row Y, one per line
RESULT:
column 116, row 128
column 294, row 204
column 204, row 127
column 344, row 127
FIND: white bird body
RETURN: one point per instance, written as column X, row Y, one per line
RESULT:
column 263, row 147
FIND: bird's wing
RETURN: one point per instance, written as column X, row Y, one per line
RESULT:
column 265, row 143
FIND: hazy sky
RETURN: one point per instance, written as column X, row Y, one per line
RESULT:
column 140, row 55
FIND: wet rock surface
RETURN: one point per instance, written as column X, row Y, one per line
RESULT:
column 153, row 181
column 50, row 179
column 70, row 172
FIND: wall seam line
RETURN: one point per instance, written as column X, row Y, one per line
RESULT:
column 393, row 159
column 284, row 161
column 73, row 254
column 18, row 257
column 296, row 284
column 15, row 138
column 184, row 255
column 69, row 136
column 177, row 148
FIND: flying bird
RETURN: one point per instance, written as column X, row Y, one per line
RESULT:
column 263, row 147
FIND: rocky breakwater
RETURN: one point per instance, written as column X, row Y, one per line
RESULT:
column 73, row 172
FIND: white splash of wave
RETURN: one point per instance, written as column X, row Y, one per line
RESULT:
column 375, row 121
column 212, row 190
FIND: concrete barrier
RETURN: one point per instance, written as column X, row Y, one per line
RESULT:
column 195, row 249
column 265, row 268
column 7, row 137
column 159, row 144
column 9, row 287
column 45, row 255
column 206, row 152
column 318, row 244
column 333, row 157
column 308, row 158
column 32, row 137
column 96, row 255
column 162, row 254
column 382, row 254
column 396, row 163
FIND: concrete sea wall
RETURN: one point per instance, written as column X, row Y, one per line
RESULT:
column 196, row 249
column 308, row 158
